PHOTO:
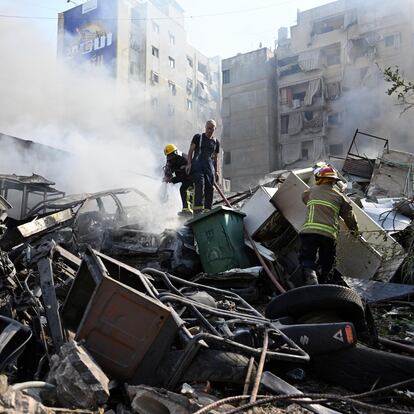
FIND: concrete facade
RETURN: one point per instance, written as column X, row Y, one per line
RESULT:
column 249, row 116
column 329, row 76
column 180, row 87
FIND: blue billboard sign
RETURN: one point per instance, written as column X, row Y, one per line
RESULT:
column 90, row 34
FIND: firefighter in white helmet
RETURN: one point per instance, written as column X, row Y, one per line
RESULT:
column 174, row 172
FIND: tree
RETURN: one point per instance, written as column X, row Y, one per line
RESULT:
column 401, row 88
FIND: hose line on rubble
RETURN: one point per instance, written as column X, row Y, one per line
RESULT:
column 323, row 398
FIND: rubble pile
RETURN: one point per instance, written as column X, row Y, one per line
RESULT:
column 100, row 315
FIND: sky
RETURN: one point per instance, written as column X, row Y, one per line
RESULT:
column 215, row 27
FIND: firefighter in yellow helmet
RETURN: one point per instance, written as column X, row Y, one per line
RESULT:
column 325, row 204
column 174, row 172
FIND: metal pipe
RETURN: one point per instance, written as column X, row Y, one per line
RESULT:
column 248, row 376
column 259, row 256
column 396, row 345
column 260, row 367
column 32, row 384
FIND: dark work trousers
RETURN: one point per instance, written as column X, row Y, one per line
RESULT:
column 203, row 176
column 325, row 247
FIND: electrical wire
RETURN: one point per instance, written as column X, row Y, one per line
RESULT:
column 231, row 12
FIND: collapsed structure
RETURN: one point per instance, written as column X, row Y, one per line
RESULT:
column 100, row 314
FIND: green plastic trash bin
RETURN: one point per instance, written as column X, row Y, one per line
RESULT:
column 220, row 239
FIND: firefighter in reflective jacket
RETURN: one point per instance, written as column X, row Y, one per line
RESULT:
column 174, row 172
column 325, row 204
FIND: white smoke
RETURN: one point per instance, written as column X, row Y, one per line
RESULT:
column 98, row 120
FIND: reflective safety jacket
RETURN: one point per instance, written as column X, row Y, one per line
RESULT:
column 325, row 204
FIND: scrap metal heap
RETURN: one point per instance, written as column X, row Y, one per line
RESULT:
column 100, row 315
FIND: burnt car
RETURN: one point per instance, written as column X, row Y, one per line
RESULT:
column 80, row 219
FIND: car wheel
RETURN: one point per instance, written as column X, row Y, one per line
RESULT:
column 313, row 299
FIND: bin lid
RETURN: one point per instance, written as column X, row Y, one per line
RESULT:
column 221, row 209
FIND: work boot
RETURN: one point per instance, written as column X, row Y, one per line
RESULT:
column 185, row 212
column 310, row 277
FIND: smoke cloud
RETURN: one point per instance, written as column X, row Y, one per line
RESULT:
column 99, row 122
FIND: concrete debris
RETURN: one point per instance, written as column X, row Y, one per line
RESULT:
column 79, row 381
column 121, row 319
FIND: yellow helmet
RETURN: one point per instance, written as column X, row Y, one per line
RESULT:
column 169, row 149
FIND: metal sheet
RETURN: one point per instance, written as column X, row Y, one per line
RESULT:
column 123, row 327
column 44, row 223
column 258, row 209
column 355, row 257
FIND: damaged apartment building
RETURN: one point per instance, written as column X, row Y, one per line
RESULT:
column 329, row 83
column 146, row 45
column 329, row 72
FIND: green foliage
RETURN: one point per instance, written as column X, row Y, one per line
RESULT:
column 400, row 87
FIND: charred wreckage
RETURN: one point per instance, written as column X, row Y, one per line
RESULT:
column 100, row 315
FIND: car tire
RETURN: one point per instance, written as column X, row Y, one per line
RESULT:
column 360, row 368
column 314, row 299
column 208, row 365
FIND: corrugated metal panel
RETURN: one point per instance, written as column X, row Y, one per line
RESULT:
column 359, row 167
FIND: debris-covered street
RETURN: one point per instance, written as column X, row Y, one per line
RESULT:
column 99, row 315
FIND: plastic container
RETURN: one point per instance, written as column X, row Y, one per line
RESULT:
column 220, row 239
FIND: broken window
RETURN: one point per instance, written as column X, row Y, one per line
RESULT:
column 334, row 119
column 393, row 40
column 190, row 61
column 308, row 115
column 171, row 62
column 333, row 91
column 284, row 124
column 201, row 67
column 189, row 87
column 226, row 76
column 287, row 61
column 290, row 70
column 227, row 157
column 306, row 149
column 297, row 99
column 155, row 78
column 155, row 52
column 328, row 25
column 172, row 88
column 332, row 55
column 336, row 149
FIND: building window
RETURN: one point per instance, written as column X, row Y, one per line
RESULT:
column 284, row 124
column 171, row 110
column 328, row 25
column 189, row 87
column 155, row 27
column 227, row 157
column 155, row 78
column 171, row 62
column 226, row 76
column 155, row 52
column 201, row 67
column 190, row 61
column 154, row 102
column 172, row 39
column 189, row 104
column 172, row 88
column 336, row 149
column 306, row 149
column 392, row 40
column 334, row 119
